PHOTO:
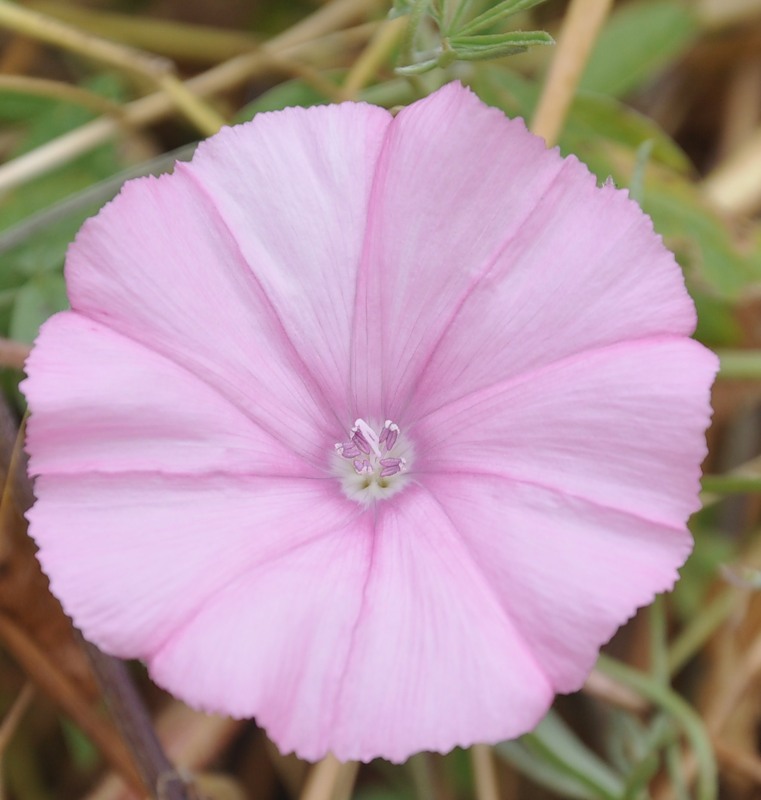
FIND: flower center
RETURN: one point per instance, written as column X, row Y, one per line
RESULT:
column 372, row 466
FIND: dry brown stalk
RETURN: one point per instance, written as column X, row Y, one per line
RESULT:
column 191, row 740
column 14, row 716
column 46, row 675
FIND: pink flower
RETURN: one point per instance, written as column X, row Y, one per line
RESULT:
column 371, row 428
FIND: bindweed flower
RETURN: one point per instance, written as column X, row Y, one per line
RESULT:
column 371, row 428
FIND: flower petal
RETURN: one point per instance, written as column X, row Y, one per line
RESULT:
column 622, row 427
column 435, row 660
column 488, row 255
column 134, row 558
column 272, row 644
column 456, row 180
column 585, row 271
column 293, row 189
column 102, row 402
column 568, row 572
column 157, row 265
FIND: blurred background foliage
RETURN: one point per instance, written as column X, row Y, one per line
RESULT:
column 668, row 104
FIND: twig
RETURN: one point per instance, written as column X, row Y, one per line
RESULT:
column 13, row 354
column 134, row 724
column 192, row 740
column 484, row 772
column 581, row 26
column 157, row 69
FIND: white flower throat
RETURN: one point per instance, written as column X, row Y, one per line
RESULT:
column 372, row 466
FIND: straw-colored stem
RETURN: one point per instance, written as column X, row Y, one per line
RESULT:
column 581, row 26
column 484, row 772
column 157, row 69
column 183, row 41
column 205, row 119
column 329, row 780
column 307, row 73
column 723, row 13
column 148, row 110
column 735, row 185
column 374, row 56
column 58, row 90
column 13, row 354
column 605, row 688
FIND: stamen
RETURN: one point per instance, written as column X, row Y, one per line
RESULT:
column 374, row 461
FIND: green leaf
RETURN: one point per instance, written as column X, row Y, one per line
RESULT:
column 595, row 116
column 289, row 93
column 35, row 302
column 488, row 46
column 606, row 135
column 592, row 118
column 554, row 757
column 698, row 235
column 496, row 14
column 418, row 68
column 680, row 711
column 640, row 39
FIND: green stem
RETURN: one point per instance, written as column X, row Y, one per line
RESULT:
column 731, row 484
column 661, row 735
column 700, row 629
column 676, row 772
column 658, row 652
column 538, row 746
column 681, row 711
column 408, row 42
column 739, row 364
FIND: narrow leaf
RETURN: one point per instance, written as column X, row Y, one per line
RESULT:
column 495, row 14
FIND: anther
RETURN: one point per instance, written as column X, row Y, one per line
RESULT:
column 389, row 434
column 391, row 466
column 359, row 440
column 347, row 449
column 362, row 466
